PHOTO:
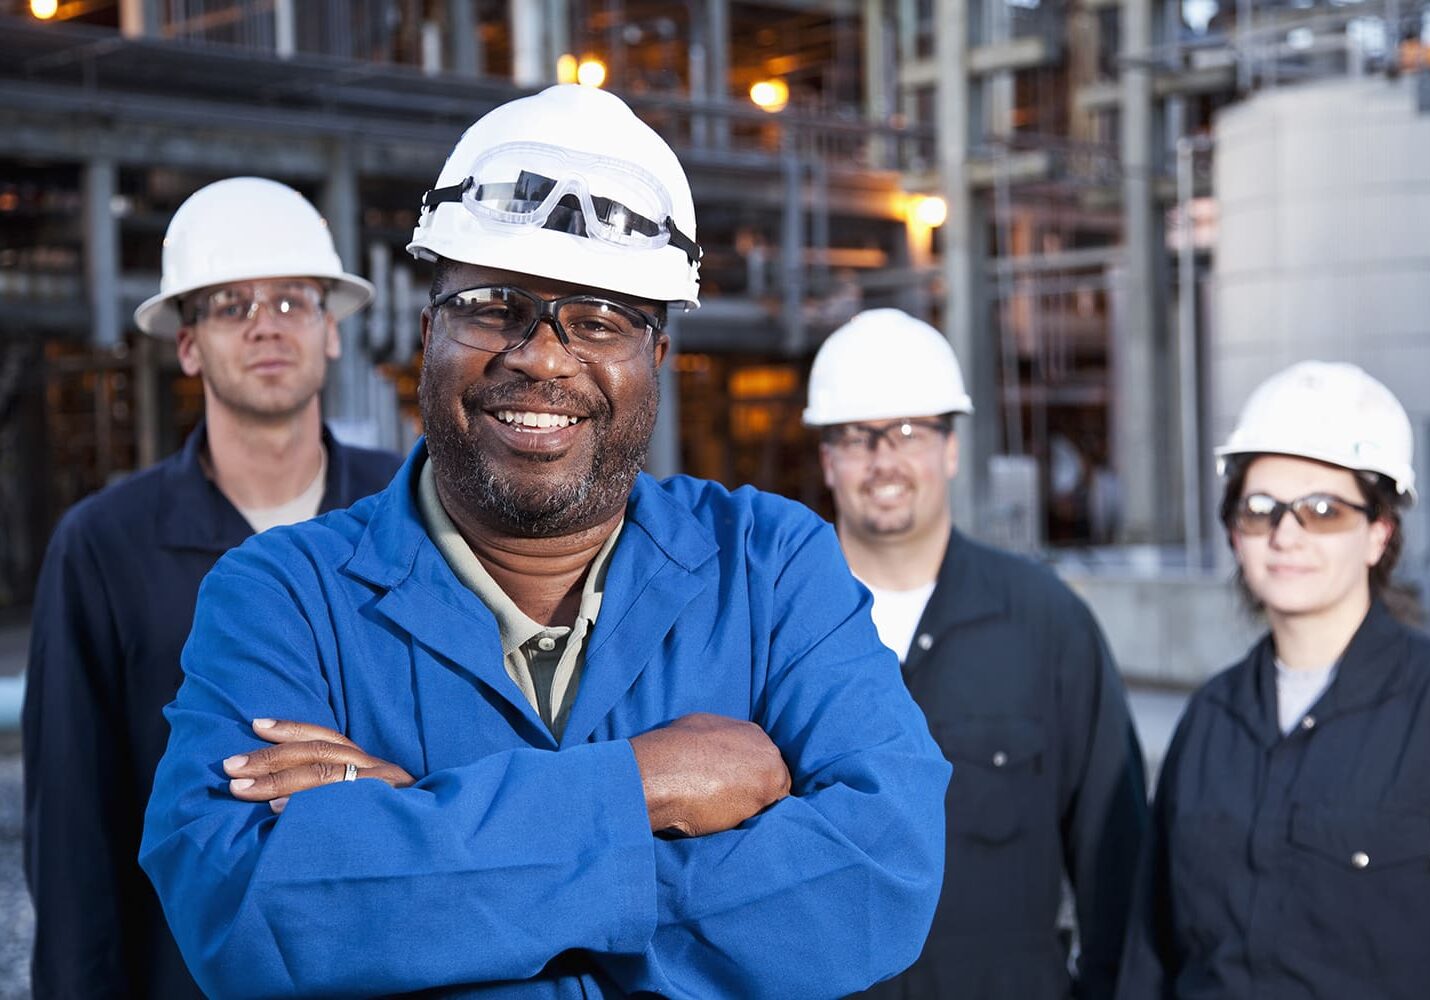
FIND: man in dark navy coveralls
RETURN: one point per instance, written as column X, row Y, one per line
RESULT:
column 1011, row 670
column 252, row 291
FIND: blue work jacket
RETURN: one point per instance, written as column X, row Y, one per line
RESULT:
column 1022, row 694
column 523, row 866
column 1293, row 867
column 112, row 609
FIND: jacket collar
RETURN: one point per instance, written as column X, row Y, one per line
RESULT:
column 964, row 593
column 1371, row 670
column 194, row 514
column 659, row 565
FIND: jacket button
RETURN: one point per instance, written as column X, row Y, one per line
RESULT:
column 1360, row 859
column 1000, row 758
column 1309, row 722
column 925, row 641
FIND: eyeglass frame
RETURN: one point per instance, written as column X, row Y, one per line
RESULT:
column 193, row 308
column 831, row 437
column 547, row 312
column 1280, row 508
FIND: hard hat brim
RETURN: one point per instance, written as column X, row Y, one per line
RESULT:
column 158, row 315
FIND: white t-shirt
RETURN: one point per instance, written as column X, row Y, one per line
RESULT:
column 300, row 508
column 897, row 614
column 1297, row 691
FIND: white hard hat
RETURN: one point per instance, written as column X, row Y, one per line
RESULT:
column 247, row 229
column 567, row 184
column 1329, row 412
column 884, row 364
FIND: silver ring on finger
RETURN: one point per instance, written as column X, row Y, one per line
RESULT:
column 350, row 774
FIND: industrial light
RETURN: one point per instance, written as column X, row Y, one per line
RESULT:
column 44, row 9
column 772, row 95
column 566, row 68
column 591, row 72
column 928, row 210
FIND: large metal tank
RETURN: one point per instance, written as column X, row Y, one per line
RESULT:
column 1323, row 250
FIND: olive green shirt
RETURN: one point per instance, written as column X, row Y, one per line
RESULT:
column 545, row 661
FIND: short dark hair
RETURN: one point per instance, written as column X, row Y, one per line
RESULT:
column 1377, row 492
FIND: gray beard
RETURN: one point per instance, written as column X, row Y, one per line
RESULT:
column 552, row 506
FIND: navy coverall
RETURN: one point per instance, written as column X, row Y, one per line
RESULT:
column 112, row 610
column 1296, row 866
column 1022, row 695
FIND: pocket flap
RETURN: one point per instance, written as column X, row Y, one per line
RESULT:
column 993, row 742
column 1362, row 840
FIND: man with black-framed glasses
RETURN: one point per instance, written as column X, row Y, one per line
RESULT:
column 252, row 290
column 1010, row 669
column 624, row 737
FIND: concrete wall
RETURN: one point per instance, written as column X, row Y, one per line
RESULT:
column 1175, row 630
column 1324, row 249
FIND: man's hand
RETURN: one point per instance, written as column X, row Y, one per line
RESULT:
column 305, row 756
column 707, row 773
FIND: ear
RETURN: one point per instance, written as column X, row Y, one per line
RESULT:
column 190, row 361
column 1380, row 532
column 950, row 455
column 426, row 326
column 662, row 346
column 826, row 466
column 333, row 343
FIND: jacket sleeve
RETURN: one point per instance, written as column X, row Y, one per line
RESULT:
column 79, row 836
column 480, row 873
column 1149, row 959
column 834, row 887
column 1104, row 799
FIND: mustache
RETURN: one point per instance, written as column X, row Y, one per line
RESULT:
column 532, row 395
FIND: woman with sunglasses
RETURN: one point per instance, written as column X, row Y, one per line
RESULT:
column 1290, row 848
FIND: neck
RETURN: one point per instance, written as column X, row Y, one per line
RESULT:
column 260, row 463
column 542, row 576
column 1311, row 641
column 900, row 562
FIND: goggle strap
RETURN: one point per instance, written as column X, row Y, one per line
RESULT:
column 452, row 193
column 682, row 242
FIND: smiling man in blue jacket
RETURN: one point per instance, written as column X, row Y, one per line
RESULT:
column 629, row 736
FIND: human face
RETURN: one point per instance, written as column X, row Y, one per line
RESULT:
column 533, row 442
column 891, row 493
column 265, row 368
column 1293, row 572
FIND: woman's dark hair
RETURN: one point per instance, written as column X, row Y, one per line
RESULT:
column 1379, row 494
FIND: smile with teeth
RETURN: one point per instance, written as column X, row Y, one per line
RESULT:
column 529, row 419
column 888, row 491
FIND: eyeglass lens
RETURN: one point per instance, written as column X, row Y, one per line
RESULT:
column 906, row 436
column 1317, row 513
column 292, row 307
column 501, row 318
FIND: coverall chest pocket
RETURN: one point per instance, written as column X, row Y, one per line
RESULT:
column 1363, row 885
column 997, row 767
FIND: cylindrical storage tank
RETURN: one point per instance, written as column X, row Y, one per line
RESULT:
column 1323, row 251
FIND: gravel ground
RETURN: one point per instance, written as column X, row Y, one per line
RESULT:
column 17, row 920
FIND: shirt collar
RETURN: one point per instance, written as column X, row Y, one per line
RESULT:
column 515, row 626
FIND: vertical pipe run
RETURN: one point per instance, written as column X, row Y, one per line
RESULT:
column 1187, row 370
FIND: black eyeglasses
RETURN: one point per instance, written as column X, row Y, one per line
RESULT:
column 501, row 318
column 1318, row 513
column 907, row 436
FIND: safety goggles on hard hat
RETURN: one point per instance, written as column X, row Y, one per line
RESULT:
column 528, row 184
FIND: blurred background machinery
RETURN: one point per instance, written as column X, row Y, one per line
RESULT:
column 1124, row 213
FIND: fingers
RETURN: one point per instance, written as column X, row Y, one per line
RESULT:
column 272, row 774
column 287, row 731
